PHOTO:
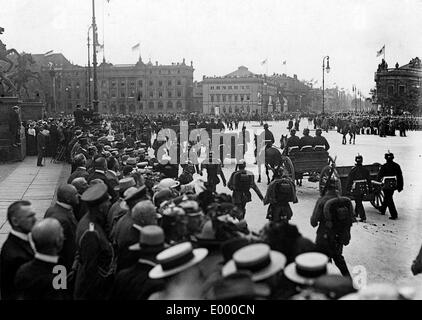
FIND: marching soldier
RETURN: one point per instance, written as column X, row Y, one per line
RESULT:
column 213, row 167
column 358, row 185
column 392, row 177
column 240, row 182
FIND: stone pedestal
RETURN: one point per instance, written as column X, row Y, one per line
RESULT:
column 7, row 151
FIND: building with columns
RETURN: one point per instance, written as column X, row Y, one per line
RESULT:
column 241, row 91
column 122, row 89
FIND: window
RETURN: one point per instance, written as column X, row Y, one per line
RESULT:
column 212, row 88
column 243, row 87
column 113, row 94
column 140, row 95
column 113, row 108
column 122, row 109
column 151, row 105
column 230, row 97
column 122, row 94
column 169, row 83
column 224, row 98
column 235, row 87
column 218, row 98
column 248, row 87
column 160, row 94
column 160, row 105
column 390, row 90
column 169, row 94
column 160, row 83
column 179, row 105
column 131, row 108
column 235, row 97
column 212, row 97
column 151, row 94
column 224, row 87
column 132, row 84
column 113, row 84
column 131, row 93
column 151, row 83
column 179, row 82
column 401, row 89
column 123, row 83
column 230, row 87
column 179, row 93
column 248, row 97
column 140, row 83
column 242, row 97
column 169, row 105
column 218, row 88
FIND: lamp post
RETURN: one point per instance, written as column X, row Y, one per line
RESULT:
column 323, row 79
column 94, row 62
column 89, row 69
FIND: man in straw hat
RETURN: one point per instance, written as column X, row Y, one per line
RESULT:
column 265, row 265
column 178, row 265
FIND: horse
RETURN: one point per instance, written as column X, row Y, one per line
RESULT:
column 272, row 159
column 283, row 141
column 4, row 53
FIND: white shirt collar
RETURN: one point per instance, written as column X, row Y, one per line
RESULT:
column 46, row 258
column 100, row 171
column 82, row 168
column 20, row 235
column 64, row 205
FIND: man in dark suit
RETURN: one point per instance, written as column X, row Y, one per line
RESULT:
column 62, row 210
column 15, row 126
column 79, row 116
column 35, row 280
column 16, row 250
column 100, row 165
column 41, row 145
column 80, row 171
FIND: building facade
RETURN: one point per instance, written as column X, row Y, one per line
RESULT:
column 398, row 89
column 122, row 89
column 239, row 92
column 197, row 99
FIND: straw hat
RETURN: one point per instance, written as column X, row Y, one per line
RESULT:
column 258, row 259
column 177, row 259
column 308, row 267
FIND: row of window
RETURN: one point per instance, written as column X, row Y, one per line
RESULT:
column 141, row 83
column 229, row 87
column 151, row 106
column 232, row 109
column 391, row 91
column 140, row 94
column 229, row 97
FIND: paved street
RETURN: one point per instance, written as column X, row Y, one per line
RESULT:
column 384, row 247
column 28, row 182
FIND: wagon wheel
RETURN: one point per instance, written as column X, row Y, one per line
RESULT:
column 378, row 199
column 288, row 167
column 324, row 177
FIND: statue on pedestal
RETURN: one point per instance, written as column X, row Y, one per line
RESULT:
column 23, row 73
column 4, row 79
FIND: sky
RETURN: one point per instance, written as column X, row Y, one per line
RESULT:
column 221, row 35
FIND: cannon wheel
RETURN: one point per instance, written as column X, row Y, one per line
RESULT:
column 325, row 172
column 378, row 199
column 288, row 167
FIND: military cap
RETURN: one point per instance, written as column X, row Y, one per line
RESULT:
column 95, row 194
column 131, row 161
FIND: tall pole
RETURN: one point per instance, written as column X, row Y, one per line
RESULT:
column 94, row 62
column 323, row 80
column 89, row 69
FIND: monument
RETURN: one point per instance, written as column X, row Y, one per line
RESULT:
column 15, row 104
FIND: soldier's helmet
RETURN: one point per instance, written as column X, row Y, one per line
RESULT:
column 389, row 156
column 359, row 159
column 266, row 126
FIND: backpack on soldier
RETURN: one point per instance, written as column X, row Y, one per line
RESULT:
column 284, row 190
column 338, row 214
column 242, row 181
column 390, row 183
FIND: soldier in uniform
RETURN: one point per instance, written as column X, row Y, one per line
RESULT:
column 306, row 140
column 358, row 185
column 392, row 177
column 293, row 140
column 269, row 137
column 319, row 140
column 240, row 182
column 213, row 167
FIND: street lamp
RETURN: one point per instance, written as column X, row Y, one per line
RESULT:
column 323, row 79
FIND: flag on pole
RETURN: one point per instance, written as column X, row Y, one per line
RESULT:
column 264, row 62
column 49, row 53
column 136, row 47
column 382, row 51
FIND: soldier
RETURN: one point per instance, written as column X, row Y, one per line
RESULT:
column 358, row 185
column 306, row 140
column 391, row 176
column 293, row 140
column 240, row 183
column 334, row 217
column 269, row 137
column 320, row 141
column 213, row 167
